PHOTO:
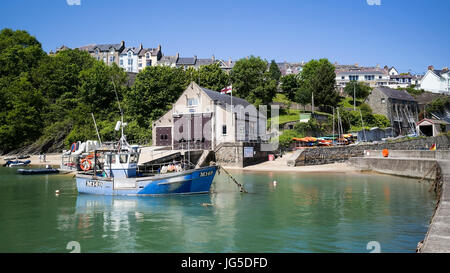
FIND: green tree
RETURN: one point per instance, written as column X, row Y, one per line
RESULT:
column 251, row 81
column 360, row 90
column 212, row 77
column 318, row 77
column 274, row 71
column 290, row 85
column 20, row 119
column 153, row 93
column 19, row 52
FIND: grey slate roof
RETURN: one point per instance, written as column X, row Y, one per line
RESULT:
column 440, row 72
column 135, row 50
column 101, row 47
column 224, row 98
column 186, row 61
column 396, row 94
column 153, row 51
column 168, row 59
column 204, row 62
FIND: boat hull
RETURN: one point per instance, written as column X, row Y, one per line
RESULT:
column 188, row 182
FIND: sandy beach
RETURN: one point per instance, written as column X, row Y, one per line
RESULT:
column 278, row 165
column 50, row 159
column 271, row 166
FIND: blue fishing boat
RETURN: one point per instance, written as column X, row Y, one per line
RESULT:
column 113, row 170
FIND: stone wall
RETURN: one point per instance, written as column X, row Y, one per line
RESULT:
column 232, row 154
column 326, row 155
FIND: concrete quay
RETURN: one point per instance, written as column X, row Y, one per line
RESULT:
column 417, row 164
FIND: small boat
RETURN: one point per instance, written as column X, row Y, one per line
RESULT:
column 16, row 163
column 115, row 172
column 37, row 171
column 23, row 157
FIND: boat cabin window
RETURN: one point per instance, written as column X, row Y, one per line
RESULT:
column 110, row 158
column 123, row 158
column 133, row 158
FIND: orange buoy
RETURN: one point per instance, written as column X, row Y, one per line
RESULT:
column 385, row 152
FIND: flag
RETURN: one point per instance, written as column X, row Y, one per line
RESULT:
column 433, row 147
column 227, row 90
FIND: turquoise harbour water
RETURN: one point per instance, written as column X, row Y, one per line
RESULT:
column 301, row 213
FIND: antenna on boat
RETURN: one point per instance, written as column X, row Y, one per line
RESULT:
column 96, row 129
column 120, row 124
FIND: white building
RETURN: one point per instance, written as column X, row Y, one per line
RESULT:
column 128, row 59
column 374, row 76
column 436, row 81
column 204, row 118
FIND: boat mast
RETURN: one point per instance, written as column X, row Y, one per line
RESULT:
column 123, row 141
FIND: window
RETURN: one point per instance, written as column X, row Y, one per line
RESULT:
column 224, row 129
column 369, row 77
column 149, row 63
column 140, row 65
column 192, row 102
column 112, row 59
column 130, row 61
column 383, row 100
column 133, row 158
column 123, row 159
column 110, row 158
column 121, row 62
column 129, row 54
column 148, row 55
column 343, row 78
column 379, row 77
column 353, row 78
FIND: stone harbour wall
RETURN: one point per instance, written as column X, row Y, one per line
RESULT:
column 327, row 155
column 232, row 154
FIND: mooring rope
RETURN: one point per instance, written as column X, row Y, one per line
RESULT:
column 240, row 186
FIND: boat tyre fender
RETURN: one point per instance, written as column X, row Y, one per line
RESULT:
column 85, row 164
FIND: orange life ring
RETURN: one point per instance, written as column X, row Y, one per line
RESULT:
column 85, row 164
column 385, row 152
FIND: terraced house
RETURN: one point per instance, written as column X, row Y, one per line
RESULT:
column 108, row 53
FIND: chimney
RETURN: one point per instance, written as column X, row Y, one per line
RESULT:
column 213, row 58
column 445, row 69
column 159, row 47
column 140, row 47
column 356, row 64
column 195, row 58
column 122, row 43
column 430, row 67
column 178, row 55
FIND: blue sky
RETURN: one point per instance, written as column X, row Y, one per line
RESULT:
column 409, row 35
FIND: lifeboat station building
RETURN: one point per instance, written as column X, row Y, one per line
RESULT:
column 205, row 119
